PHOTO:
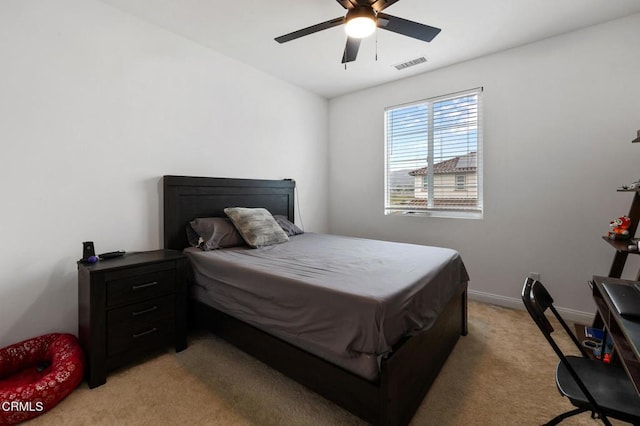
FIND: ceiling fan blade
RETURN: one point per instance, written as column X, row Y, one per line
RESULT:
column 380, row 5
column 406, row 27
column 310, row 30
column 351, row 50
column 348, row 4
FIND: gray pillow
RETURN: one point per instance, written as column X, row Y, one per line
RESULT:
column 257, row 227
column 210, row 233
column 287, row 226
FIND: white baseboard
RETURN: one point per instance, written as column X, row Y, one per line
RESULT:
column 569, row 315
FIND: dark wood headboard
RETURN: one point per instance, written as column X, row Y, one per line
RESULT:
column 187, row 197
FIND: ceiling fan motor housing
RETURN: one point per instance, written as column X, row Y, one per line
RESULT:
column 361, row 12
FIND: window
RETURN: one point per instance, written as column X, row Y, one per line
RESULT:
column 433, row 157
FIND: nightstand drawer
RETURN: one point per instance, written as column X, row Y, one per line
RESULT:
column 140, row 287
column 139, row 336
column 146, row 312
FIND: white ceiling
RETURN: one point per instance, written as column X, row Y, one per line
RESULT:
column 245, row 30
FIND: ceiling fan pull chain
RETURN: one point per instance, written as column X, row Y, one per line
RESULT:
column 376, row 45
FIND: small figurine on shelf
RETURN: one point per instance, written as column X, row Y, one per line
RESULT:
column 635, row 186
column 620, row 228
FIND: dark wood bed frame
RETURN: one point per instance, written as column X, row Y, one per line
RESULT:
column 405, row 376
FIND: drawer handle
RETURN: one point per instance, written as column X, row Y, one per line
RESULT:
column 144, row 311
column 141, row 286
column 144, row 333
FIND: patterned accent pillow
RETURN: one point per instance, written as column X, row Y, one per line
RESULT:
column 211, row 233
column 257, row 227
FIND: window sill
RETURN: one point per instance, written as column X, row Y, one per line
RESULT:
column 451, row 214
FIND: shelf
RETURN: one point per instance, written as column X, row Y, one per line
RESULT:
column 620, row 245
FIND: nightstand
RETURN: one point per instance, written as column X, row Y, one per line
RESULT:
column 129, row 307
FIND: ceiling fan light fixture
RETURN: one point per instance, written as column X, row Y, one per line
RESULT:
column 360, row 22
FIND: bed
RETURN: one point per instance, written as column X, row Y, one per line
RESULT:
column 385, row 385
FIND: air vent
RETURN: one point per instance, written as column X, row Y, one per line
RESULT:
column 410, row 63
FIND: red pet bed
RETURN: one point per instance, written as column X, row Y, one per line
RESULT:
column 37, row 374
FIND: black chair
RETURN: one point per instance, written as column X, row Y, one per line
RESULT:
column 590, row 384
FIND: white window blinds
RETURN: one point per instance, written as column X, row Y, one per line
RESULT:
column 433, row 161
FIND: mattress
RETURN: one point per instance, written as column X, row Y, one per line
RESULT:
column 347, row 300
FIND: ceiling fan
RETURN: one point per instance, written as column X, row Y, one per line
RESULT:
column 361, row 20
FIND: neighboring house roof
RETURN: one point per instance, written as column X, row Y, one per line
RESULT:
column 461, row 164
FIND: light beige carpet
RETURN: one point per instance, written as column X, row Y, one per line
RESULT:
column 501, row 373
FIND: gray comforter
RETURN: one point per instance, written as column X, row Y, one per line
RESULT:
column 338, row 297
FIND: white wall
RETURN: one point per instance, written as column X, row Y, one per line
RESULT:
column 559, row 118
column 95, row 106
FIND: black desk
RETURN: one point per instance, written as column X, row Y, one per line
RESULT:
column 624, row 333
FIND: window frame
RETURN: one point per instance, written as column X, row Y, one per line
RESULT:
column 472, row 213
